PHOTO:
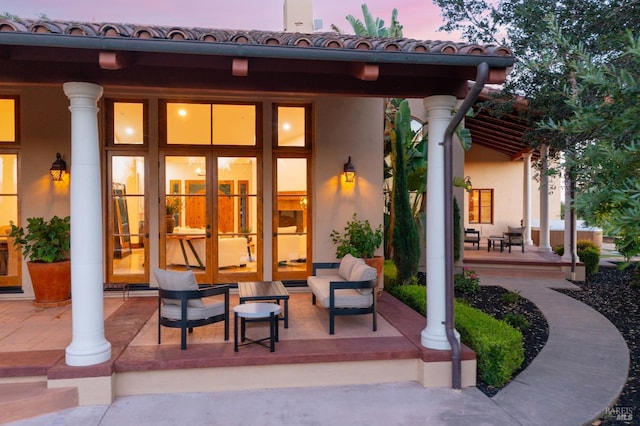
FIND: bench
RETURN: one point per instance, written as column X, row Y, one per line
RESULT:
column 345, row 288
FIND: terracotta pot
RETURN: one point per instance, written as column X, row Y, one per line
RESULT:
column 378, row 263
column 51, row 283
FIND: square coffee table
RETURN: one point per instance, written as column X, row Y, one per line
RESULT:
column 263, row 291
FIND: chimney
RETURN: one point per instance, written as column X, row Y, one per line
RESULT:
column 298, row 16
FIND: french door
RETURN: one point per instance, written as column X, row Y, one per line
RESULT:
column 210, row 218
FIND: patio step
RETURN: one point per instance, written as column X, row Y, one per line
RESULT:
column 518, row 273
column 20, row 401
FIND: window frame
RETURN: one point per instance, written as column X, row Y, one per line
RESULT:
column 16, row 125
column 478, row 209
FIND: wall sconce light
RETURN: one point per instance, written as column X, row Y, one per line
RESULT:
column 349, row 171
column 467, row 183
column 58, row 168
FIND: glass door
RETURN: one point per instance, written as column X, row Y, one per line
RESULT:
column 184, row 226
column 239, row 225
column 210, row 221
column 127, row 245
column 10, row 258
column 291, row 242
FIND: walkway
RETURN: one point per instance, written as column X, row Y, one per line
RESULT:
column 579, row 373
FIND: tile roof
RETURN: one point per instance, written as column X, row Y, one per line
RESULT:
column 325, row 40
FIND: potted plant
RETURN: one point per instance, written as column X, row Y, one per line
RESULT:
column 360, row 240
column 45, row 245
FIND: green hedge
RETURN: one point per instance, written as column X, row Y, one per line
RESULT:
column 588, row 252
column 498, row 346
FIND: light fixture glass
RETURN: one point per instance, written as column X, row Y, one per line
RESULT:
column 58, row 168
column 349, row 171
column 467, row 183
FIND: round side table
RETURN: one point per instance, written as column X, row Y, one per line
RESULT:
column 256, row 311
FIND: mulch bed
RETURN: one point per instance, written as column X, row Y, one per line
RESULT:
column 610, row 292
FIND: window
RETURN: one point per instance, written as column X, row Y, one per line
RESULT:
column 210, row 124
column 481, row 206
column 126, row 122
column 8, row 119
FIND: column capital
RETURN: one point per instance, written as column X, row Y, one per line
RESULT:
column 82, row 90
column 439, row 102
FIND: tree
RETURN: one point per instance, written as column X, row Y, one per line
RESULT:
column 550, row 38
column 605, row 114
column 406, row 253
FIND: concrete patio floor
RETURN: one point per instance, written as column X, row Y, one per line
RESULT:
column 579, row 373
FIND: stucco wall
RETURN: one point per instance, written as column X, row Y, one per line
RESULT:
column 490, row 169
column 346, row 127
column 45, row 130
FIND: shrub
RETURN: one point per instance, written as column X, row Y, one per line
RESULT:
column 628, row 245
column 591, row 259
column 498, row 346
column 390, row 273
column 511, row 297
column 588, row 252
column 517, row 321
column 413, row 296
column 467, row 282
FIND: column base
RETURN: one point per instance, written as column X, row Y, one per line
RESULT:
column 81, row 357
column 430, row 340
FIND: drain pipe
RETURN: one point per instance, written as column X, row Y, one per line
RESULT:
column 456, row 362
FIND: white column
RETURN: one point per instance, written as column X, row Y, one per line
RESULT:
column 526, row 201
column 568, row 228
column 439, row 115
column 88, row 345
column 544, row 201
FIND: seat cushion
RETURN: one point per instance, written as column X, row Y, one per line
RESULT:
column 346, row 265
column 347, row 298
column 177, row 281
column 172, row 311
column 363, row 272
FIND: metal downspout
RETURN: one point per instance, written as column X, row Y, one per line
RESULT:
column 481, row 79
column 572, row 229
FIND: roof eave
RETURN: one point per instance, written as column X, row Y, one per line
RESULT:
column 242, row 50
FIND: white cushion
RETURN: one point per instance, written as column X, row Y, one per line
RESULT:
column 172, row 311
column 179, row 281
column 346, row 265
column 347, row 298
column 515, row 230
column 363, row 272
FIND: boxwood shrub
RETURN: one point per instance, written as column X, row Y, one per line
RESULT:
column 498, row 346
column 588, row 252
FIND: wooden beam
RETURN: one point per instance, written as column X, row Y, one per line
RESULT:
column 114, row 60
column 240, row 67
column 364, row 71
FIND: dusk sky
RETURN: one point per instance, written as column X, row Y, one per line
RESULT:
column 420, row 18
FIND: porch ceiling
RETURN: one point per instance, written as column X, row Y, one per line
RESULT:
column 504, row 134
